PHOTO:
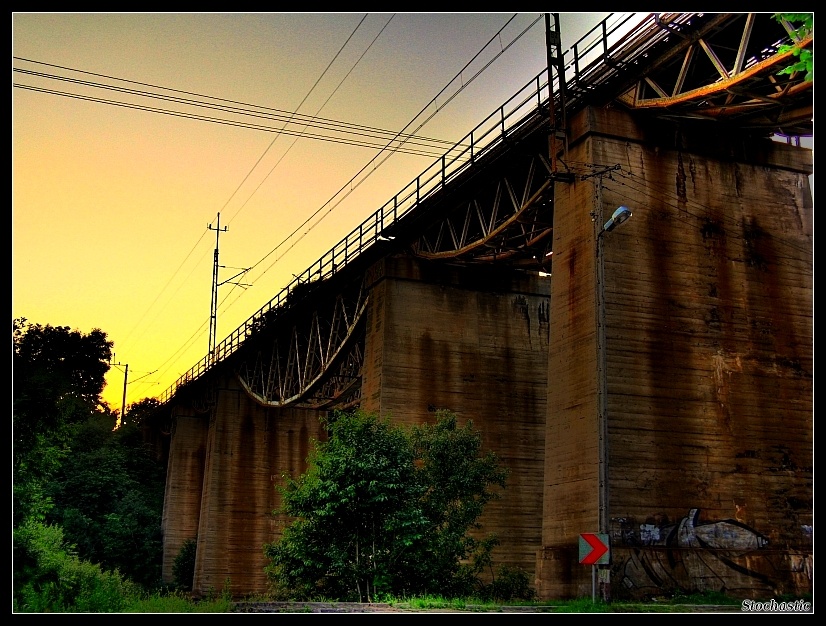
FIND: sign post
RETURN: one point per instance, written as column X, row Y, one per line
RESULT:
column 594, row 549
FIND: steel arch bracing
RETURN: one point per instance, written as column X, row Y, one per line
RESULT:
column 493, row 202
column 728, row 70
column 317, row 362
column 509, row 219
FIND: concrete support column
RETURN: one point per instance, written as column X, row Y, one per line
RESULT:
column 248, row 448
column 708, row 378
column 184, row 481
column 473, row 340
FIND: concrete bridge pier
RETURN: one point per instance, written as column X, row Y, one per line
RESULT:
column 680, row 377
column 224, row 466
column 184, row 482
column 474, row 340
column 470, row 339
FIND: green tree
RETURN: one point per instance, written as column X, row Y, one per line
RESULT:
column 108, row 498
column 356, row 512
column 98, row 487
column 385, row 510
column 801, row 26
column 457, row 479
column 57, row 377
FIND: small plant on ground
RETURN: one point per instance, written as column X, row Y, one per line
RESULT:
column 183, row 570
column 511, row 583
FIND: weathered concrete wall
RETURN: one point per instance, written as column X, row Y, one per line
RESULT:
column 473, row 340
column 248, row 448
column 707, row 388
column 709, row 364
column 184, row 481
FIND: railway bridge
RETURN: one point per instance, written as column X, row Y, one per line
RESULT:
column 646, row 379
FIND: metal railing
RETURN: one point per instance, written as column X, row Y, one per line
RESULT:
column 582, row 60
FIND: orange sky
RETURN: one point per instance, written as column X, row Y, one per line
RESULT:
column 111, row 203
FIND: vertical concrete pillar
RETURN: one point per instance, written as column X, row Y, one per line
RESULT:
column 708, row 362
column 248, row 448
column 473, row 340
column 184, row 481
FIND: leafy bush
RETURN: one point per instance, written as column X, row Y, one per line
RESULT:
column 382, row 510
column 102, row 488
column 108, row 498
column 511, row 583
column 50, row 578
column 183, row 570
column 805, row 57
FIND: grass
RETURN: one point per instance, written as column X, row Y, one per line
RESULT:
column 675, row 604
column 176, row 602
column 430, row 603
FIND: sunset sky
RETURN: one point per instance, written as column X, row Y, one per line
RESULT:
column 112, row 202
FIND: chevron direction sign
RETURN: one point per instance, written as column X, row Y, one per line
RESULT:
column 593, row 549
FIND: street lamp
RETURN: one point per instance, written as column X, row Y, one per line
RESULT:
column 619, row 216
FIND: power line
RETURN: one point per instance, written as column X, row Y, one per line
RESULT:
column 333, row 130
column 315, row 84
column 330, row 130
column 349, row 183
column 341, row 82
column 187, row 344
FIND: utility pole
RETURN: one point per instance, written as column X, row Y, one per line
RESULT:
column 123, row 402
column 125, row 367
column 619, row 216
column 553, row 49
column 213, row 310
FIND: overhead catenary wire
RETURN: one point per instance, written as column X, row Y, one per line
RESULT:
column 427, row 148
column 196, row 333
column 192, row 338
column 351, row 184
column 348, row 188
column 399, row 142
column 347, row 133
column 324, row 104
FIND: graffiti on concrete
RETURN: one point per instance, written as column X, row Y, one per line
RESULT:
column 688, row 555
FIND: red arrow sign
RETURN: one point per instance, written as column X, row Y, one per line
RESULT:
column 593, row 548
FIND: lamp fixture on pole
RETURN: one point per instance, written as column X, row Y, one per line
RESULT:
column 618, row 217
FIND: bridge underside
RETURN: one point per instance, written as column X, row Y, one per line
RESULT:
column 652, row 383
column 677, row 417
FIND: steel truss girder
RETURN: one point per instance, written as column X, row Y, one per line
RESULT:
column 727, row 71
column 510, row 218
column 317, row 362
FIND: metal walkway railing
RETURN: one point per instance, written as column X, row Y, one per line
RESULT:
column 594, row 60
